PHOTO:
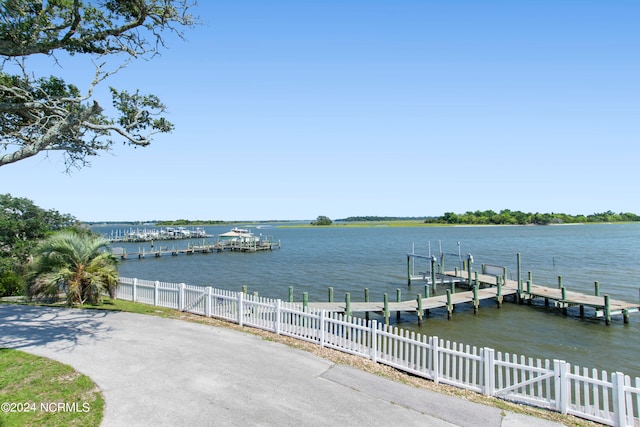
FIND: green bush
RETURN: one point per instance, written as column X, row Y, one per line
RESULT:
column 11, row 284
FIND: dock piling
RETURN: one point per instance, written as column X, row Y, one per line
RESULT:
column 290, row 293
column 347, row 303
column 519, row 272
column 366, row 299
column 386, row 309
column 433, row 273
column 449, row 305
column 330, row 293
column 476, row 302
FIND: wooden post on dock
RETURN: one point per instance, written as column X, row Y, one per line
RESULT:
column 426, row 295
column 244, row 289
column 290, row 293
column 625, row 315
column 386, row 309
column 330, row 293
column 305, row 302
column 519, row 272
column 563, row 303
column 433, row 273
column 476, row 302
column 559, row 282
column 347, row 304
column 419, row 301
column 469, row 267
column 529, row 291
column 449, row 305
column 607, row 310
column 398, row 299
column 596, row 285
column 499, row 293
column 409, row 270
column 453, row 286
column 366, row 299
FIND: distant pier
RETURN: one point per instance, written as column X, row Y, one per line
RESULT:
column 194, row 248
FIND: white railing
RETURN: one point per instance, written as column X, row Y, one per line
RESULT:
column 556, row 385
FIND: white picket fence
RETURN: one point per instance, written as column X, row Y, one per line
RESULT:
column 556, row 385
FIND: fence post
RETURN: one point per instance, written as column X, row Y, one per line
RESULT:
column 488, row 364
column 322, row 322
column 207, row 302
column 277, row 319
column 436, row 359
column 373, row 348
column 156, row 292
column 181, row 296
column 561, row 386
column 240, row 309
column 619, row 407
column 134, row 292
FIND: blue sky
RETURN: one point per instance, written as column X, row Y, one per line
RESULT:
column 294, row 109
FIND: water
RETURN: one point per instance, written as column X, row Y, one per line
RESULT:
column 351, row 259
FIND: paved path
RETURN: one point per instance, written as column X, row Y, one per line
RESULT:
column 155, row 372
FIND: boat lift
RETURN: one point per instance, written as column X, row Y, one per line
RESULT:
column 434, row 271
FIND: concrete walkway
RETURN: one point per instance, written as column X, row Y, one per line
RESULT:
column 155, row 372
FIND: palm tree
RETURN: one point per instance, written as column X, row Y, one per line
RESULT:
column 76, row 264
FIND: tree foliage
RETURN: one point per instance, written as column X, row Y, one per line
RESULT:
column 44, row 113
column 322, row 220
column 22, row 224
column 508, row 217
column 76, row 264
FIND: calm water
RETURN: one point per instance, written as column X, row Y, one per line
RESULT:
column 351, row 259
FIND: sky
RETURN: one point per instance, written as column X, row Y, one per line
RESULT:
column 288, row 110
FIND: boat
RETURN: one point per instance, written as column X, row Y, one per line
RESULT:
column 238, row 235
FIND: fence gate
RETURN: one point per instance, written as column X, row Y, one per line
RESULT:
column 525, row 380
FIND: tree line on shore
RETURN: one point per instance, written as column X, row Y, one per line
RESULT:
column 508, row 217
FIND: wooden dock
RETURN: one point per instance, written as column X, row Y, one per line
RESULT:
column 449, row 299
column 483, row 287
column 203, row 248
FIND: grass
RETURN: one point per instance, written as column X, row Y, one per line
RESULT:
column 36, row 391
column 366, row 224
